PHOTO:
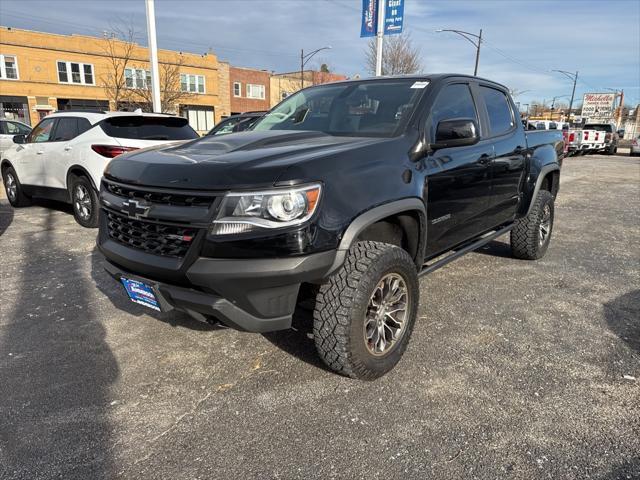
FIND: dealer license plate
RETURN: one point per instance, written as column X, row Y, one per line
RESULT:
column 141, row 293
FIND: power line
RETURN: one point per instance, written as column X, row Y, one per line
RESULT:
column 173, row 40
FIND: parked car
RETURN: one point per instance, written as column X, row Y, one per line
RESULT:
column 635, row 146
column 64, row 156
column 236, row 123
column 351, row 189
column 607, row 137
column 9, row 129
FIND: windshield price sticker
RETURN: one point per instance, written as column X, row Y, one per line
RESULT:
column 419, row 84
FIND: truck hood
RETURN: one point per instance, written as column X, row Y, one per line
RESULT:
column 238, row 160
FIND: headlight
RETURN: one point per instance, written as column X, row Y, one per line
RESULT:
column 242, row 212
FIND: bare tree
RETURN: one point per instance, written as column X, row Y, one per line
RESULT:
column 399, row 56
column 171, row 93
column 118, row 47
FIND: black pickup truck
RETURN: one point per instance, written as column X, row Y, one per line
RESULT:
column 352, row 190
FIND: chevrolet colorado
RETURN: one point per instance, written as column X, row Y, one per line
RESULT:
column 358, row 188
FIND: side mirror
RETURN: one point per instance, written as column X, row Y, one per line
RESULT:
column 20, row 138
column 457, row 132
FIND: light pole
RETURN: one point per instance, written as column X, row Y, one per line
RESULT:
column 553, row 104
column 303, row 61
column 476, row 44
column 574, row 77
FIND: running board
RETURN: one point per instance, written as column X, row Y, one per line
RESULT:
column 428, row 268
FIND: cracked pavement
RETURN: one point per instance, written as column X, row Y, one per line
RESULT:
column 516, row 369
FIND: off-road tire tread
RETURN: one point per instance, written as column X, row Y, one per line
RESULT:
column 334, row 303
column 524, row 235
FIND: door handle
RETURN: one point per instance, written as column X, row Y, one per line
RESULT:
column 67, row 148
column 39, row 152
column 484, row 159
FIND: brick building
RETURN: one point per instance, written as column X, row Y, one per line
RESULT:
column 43, row 72
column 284, row 84
column 249, row 89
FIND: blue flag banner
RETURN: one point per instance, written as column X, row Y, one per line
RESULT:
column 393, row 17
column 369, row 27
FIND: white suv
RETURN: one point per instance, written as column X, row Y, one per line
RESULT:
column 64, row 156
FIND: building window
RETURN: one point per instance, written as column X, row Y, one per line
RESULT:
column 74, row 72
column 255, row 91
column 15, row 108
column 8, row 67
column 192, row 83
column 137, row 78
column 237, row 89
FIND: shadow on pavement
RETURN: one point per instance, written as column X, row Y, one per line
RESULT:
column 496, row 248
column 6, row 215
column 298, row 341
column 55, row 372
column 627, row 471
column 623, row 317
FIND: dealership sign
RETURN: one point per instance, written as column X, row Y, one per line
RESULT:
column 393, row 17
column 369, row 26
column 598, row 106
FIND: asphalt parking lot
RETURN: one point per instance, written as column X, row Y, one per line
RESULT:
column 515, row 370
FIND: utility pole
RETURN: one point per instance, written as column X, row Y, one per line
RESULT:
column 380, row 36
column 301, row 68
column 153, row 53
column 574, row 77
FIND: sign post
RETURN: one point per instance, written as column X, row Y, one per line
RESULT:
column 380, row 37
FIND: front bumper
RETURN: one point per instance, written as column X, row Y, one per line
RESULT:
column 251, row 295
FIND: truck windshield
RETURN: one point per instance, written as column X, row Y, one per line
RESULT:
column 370, row 108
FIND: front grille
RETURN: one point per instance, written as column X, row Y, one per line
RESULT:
column 166, row 198
column 154, row 238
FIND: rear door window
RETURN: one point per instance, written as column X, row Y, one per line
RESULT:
column 500, row 114
column 601, row 127
column 66, row 129
column 148, row 128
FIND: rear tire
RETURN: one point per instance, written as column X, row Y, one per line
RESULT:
column 365, row 313
column 531, row 235
column 13, row 189
column 84, row 199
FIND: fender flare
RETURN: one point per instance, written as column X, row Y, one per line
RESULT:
column 362, row 221
column 551, row 167
column 84, row 171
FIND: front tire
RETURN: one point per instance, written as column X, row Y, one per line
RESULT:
column 85, row 202
column 365, row 313
column 531, row 235
column 13, row 189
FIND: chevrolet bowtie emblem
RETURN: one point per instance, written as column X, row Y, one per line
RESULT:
column 134, row 209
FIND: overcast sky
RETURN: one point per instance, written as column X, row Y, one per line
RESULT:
column 525, row 40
